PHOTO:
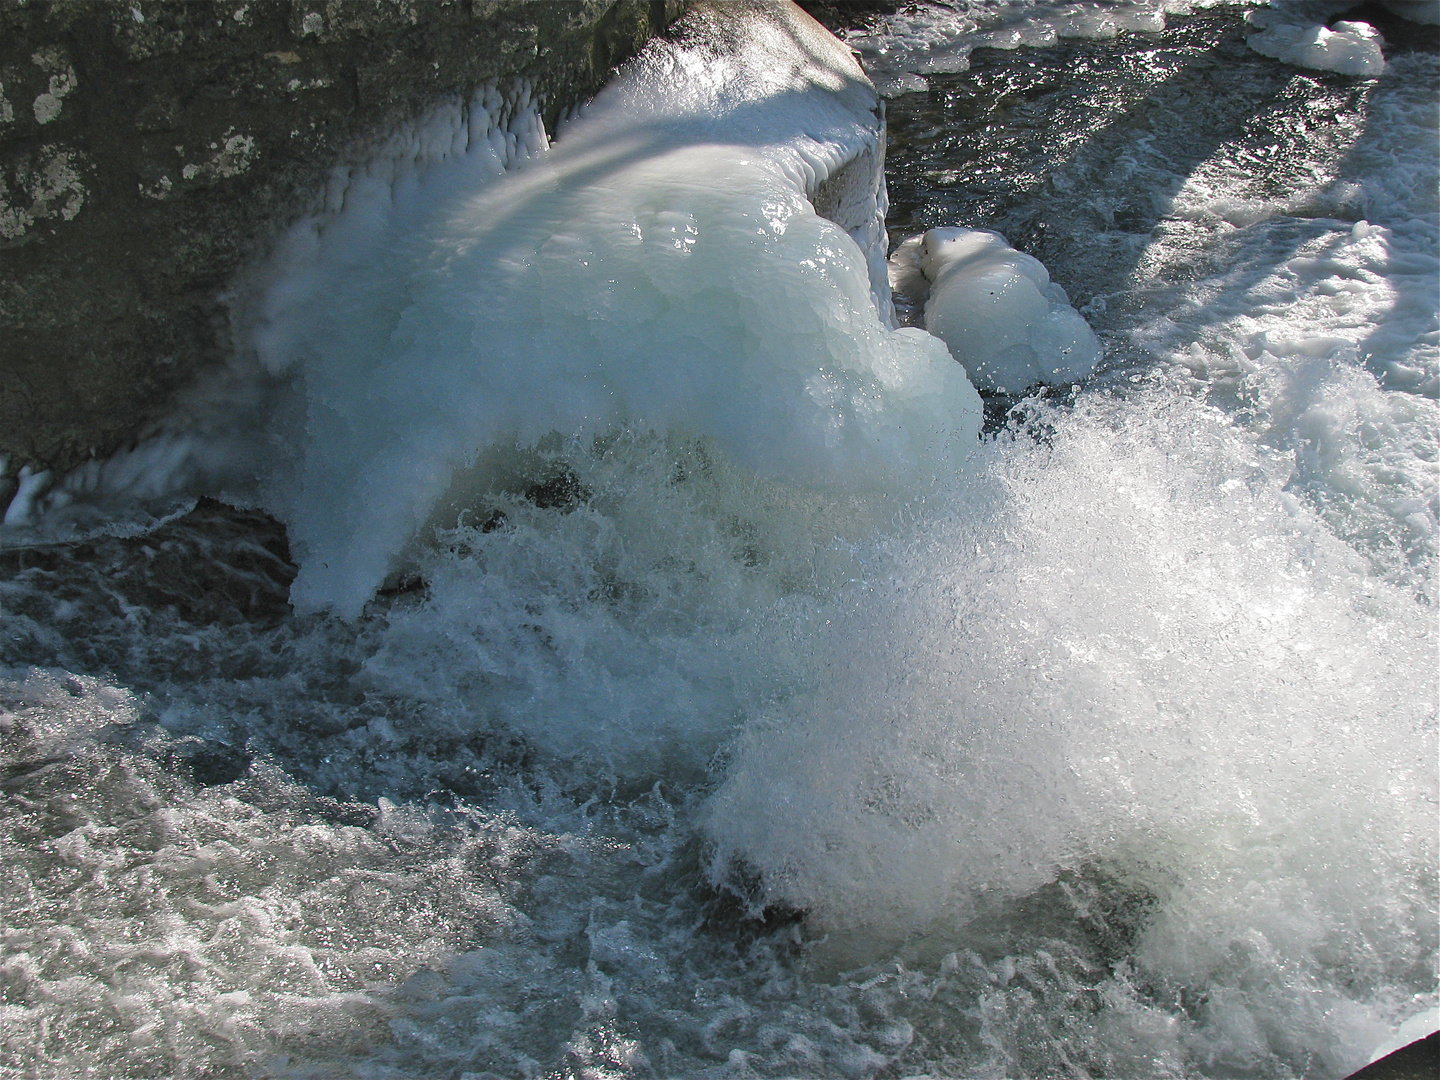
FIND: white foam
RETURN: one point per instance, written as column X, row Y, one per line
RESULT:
column 1130, row 643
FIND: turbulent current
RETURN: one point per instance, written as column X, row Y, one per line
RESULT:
column 583, row 636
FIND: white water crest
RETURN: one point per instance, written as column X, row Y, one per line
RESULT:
column 1129, row 644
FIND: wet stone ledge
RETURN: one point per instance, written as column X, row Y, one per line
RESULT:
column 149, row 150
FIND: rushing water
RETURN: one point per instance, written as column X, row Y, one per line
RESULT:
column 1106, row 749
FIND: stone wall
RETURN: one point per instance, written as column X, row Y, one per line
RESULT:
column 150, row 148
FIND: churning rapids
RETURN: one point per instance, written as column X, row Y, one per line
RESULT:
column 605, row 645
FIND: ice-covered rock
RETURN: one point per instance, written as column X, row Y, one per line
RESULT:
column 1350, row 48
column 995, row 308
column 700, row 251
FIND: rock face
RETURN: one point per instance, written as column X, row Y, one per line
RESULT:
column 149, row 150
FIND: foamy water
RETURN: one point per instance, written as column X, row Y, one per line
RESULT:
column 686, row 741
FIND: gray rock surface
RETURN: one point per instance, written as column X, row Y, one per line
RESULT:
column 150, row 149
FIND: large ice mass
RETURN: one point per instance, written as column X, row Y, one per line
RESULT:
column 662, row 267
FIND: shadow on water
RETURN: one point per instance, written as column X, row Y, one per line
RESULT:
column 1077, row 153
column 1413, row 292
column 1044, row 144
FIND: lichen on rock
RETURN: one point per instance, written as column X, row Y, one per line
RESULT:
column 152, row 149
column 46, row 185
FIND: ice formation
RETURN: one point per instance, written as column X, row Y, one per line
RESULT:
column 1350, row 48
column 900, row 50
column 30, row 485
column 445, row 299
column 995, row 308
column 662, row 267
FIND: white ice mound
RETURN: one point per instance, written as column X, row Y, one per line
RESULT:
column 1350, row 48
column 662, row 268
column 996, row 309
